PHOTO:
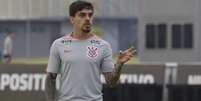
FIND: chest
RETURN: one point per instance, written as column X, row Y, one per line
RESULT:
column 80, row 52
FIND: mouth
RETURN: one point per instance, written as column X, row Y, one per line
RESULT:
column 87, row 25
column 86, row 28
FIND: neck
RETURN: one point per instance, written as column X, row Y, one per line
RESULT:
column 81, row 35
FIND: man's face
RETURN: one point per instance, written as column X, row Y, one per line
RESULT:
column 83, row 20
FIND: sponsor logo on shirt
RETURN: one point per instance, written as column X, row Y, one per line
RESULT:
column 92, row 51
column 66, row 42
column 95, row 42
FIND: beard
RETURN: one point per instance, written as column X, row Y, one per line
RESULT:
column 86, row 29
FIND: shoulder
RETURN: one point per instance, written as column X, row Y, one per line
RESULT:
column 62, row 40
column 100, row 41
column 104, row 45
column 57, row 41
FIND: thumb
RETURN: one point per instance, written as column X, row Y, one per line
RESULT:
column 120, row 52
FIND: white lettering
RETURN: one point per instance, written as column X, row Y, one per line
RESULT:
column 194, row 79
column 5, row 81
column 23, row 82
column 122, row 79
column 30, row 82
column 134, row 79
column 103, row 79
column 37, row 78
column 14, row 82
column 148, row 79
column 36, row 82
column 43, row 82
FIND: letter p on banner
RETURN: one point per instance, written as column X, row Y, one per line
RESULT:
column 5, row 80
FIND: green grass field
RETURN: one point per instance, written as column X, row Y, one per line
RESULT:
column 44, row 60
column 36, row 60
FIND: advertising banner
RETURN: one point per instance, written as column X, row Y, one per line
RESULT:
column 27, row 82
column 189, row 74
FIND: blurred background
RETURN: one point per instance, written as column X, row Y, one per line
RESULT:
column 165, row 33
column 37, row 23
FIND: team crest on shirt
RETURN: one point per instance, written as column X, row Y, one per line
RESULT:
column 92, row 51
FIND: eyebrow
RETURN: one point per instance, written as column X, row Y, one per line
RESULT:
column 86, row 13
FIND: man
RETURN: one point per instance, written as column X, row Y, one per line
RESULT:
column 81, row 57
column 8, row 46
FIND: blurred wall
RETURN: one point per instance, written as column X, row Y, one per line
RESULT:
column 169, row 12
column 36, row 42
column 22, row 9
column 37, row 23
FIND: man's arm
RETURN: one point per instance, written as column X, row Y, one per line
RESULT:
column 50, row 86
column 113, row 77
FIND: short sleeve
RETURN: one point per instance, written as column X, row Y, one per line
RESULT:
column 54, row 59
column 107, row 64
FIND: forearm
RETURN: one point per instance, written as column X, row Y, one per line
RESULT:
column 50, row 88
column 113, row 77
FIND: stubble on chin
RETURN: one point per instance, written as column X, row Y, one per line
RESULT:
column 86, row 30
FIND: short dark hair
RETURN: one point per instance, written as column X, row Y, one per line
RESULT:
column 78, row 6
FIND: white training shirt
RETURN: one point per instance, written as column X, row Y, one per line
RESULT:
column 8, row 45
column 80, row 63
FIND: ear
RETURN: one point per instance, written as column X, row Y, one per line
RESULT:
column 71, row 19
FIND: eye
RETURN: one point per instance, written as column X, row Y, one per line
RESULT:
column 82, row 15
column 90, row 15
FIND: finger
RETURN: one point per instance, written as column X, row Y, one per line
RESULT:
column 131, row 52
column 131, row 49
column 131, row 55
column 128, row 59
column 134, row 51
column 120, row 52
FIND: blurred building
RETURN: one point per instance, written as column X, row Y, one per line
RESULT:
column 170, row 31
column 37, row 23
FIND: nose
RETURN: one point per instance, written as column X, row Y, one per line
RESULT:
column 88, row 17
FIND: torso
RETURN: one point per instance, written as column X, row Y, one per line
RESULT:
column 81, row 68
